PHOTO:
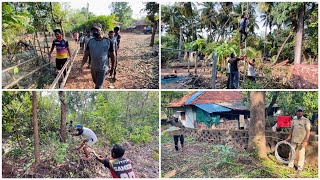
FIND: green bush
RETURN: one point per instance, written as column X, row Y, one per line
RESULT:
column 225, row 154
column 141, row 134
column 157, row 41
column 61, row 152
column 156, row 156
column 115, row 134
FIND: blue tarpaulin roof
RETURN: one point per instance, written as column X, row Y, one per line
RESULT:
column 210, row 108
column 193, row 97
column 234, row 105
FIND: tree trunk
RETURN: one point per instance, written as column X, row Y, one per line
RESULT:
column 257, row 139
column 299, row 36
column 143, row 105
column 35, row 128
column 280, row 50
column 265, row 37
column 155, row 27
column 196, row 63
column 63, row 132
column 128, row 110
column 180, row 44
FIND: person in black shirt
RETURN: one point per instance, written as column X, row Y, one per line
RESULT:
column 234, row 73
column 177, row 135
column 119, row 166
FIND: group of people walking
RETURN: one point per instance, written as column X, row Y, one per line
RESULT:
column 97, row 50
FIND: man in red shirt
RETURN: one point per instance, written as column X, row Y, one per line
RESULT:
column 119, row 166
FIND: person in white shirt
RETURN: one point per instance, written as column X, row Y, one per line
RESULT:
column 251, row 72
column 90, row 136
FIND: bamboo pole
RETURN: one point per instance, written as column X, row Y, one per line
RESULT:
column 22, row 77
column 68, row 72
column 12, row 67
column 56, row 80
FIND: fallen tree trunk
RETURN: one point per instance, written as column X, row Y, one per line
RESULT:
column 281, row 48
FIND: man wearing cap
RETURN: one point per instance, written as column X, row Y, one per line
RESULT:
column 299, row 136
column 90, row 136
column 99, row 48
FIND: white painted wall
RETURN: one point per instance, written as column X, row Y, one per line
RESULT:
column 190, row 116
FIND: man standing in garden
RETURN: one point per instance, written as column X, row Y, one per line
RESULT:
column 234, row 73
column 100, row 49
column 63, row 50
column 177, row 134
column 299, row 137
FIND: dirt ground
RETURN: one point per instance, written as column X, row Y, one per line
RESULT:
column 203, row 160
column 274, row 78
column 138, row 66
column 143, row 159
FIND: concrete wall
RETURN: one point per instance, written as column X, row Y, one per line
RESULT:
column 239, row 139
column 190, row 116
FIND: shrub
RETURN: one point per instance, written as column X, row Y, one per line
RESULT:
column 141, row 134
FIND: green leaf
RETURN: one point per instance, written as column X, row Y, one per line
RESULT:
column 15, row 70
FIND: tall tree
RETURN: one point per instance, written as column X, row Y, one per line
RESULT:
column 292, row 15
column 63, row 132
column 257, row 139
column 123, row 11
column 152, row 8
column 299, row 35
column 35, row 128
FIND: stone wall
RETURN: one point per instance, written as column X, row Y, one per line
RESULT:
column 239, row 139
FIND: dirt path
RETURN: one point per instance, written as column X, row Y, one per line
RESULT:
column 138, row 66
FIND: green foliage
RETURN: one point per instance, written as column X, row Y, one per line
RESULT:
column 107, row 23
column 156, row 41
column 114, row 116
column 226, row 154
column 16, row 70
column 123, row 12
column 290, row 101
column 156, row 156
column 15, row 153
column 141, row 134
column 152, row 9
column 166, row 138
column 220, row 23
column 61, row 152
column 15, row 21
column 169, row 41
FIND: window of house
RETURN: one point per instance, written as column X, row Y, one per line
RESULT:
column 183, row 115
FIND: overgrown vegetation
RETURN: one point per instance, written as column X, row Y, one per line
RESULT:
column 213, row 28
column 200, row 159
column 129, row 118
